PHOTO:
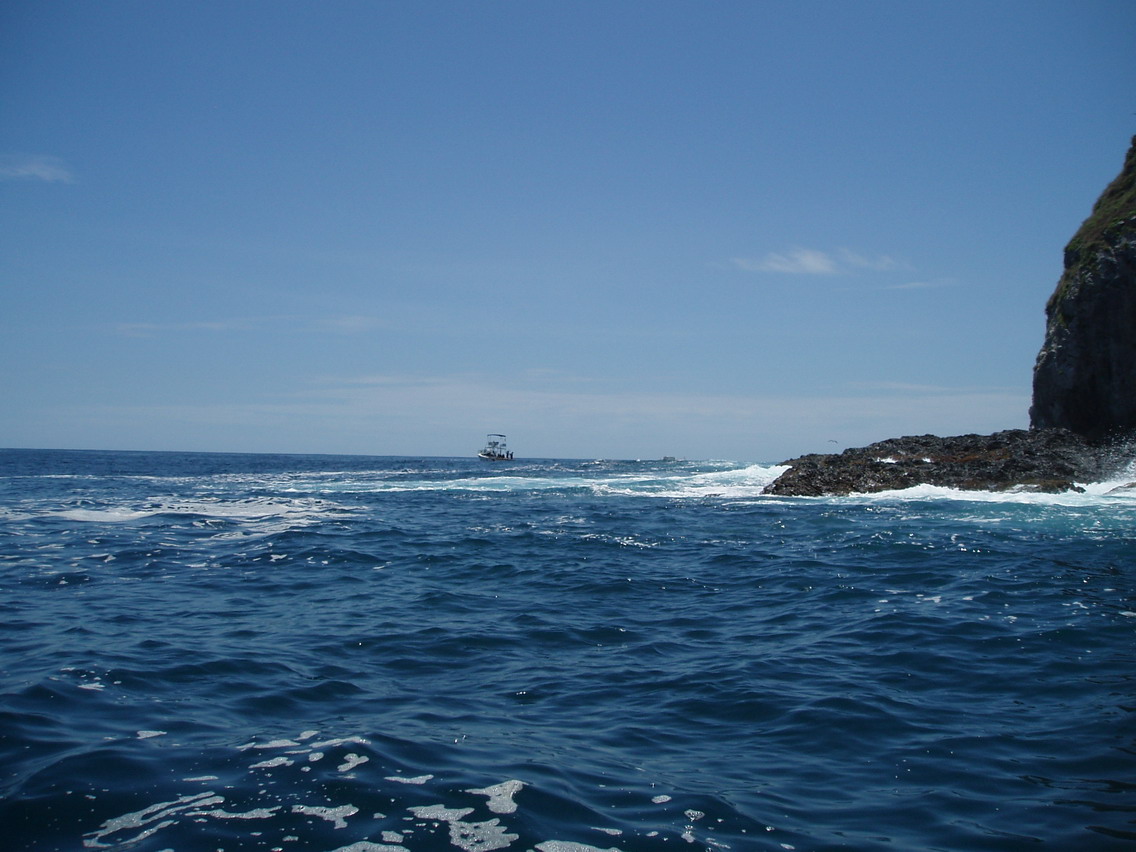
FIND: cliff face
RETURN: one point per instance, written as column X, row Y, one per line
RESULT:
column 1085, row 376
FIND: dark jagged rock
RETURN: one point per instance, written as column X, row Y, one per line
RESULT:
column 1049, row 460
column 1085, row 376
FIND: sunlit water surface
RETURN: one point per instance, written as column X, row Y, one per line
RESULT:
column 230, row 652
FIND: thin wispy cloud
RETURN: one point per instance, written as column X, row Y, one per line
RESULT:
column 879, row 263
column 804, row 261
column 34, row 167
column 795, row 262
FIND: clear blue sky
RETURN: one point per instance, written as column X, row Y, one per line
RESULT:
column 738, row 230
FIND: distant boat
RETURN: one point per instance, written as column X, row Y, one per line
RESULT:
column 495, row 449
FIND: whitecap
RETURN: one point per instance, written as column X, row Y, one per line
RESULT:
column 103, row 516
column 1086, row 494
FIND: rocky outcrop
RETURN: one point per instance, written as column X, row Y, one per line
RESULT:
column 1083, row 417
column 1085, row 376
column 1047, row 460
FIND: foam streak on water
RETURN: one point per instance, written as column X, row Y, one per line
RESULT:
column 380, row 654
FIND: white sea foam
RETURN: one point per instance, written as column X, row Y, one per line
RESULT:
column 255, row 813
column 272, row 763
column 702, row 479
column 337, row 742
column 466, row 834
column 501, row 796
column 336, row 816
column 742, row 482
column 480, row 836
column 402, row 779
column 269, row 744
column 1098, row 493
column 284, row 513
column 104, row 516
column 159, row 813
column 439, row 813
column 731, row 483
column 351, row 761
column 470, row 836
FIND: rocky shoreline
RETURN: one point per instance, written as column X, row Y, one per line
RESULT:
column 1045, row 460
column 1084, row 390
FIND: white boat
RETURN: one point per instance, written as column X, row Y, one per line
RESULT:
column 495, row 449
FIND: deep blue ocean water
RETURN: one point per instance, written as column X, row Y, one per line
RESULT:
column 231, row 652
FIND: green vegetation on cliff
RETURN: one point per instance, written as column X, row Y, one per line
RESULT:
column 1116, row 205
column 1113, row 212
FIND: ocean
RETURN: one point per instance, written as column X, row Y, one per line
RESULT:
column 378, row 654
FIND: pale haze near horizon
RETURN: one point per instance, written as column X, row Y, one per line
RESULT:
column 738, row 230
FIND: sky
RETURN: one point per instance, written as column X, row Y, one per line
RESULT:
column 711, row 230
